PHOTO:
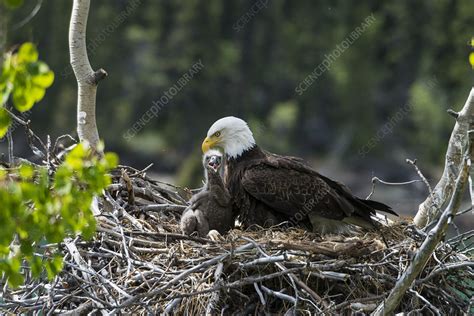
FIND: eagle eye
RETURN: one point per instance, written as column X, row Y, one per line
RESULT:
column 217, row 134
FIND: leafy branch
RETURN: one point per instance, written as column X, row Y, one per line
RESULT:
column 38, row 208
column 25, row 79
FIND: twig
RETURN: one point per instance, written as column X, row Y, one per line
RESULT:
column 238, row 284
column 378, row 180
column 425, row 181
column 10, row 147
column 171, row 306
column 138, row 173
column 434, row 309
column 214, row 300
column 439, row 271
column 183, row 275
column 129, row 186
column 453, row 113
column 358, row 300
column 163, row 207
column 260, row 294
column 80, row 310
column 29, row 17
column 264, row 260
column 279, row 295
column 420, row 174
column 293, row 277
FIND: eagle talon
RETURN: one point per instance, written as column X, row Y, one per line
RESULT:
column 214, row 235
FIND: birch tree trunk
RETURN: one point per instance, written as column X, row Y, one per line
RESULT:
column 434, row 203
column 87, row 79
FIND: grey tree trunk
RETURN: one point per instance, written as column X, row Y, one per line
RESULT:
column 431, row 208
column 87, row 79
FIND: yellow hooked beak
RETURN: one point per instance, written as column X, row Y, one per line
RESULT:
column 208, row 143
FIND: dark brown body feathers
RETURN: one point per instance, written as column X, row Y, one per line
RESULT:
column 267, row 189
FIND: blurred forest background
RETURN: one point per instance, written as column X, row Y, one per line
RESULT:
column 384, row 99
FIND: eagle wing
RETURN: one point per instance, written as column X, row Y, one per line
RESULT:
column 293, row 190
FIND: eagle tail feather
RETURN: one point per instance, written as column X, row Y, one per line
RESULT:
column 379, row 206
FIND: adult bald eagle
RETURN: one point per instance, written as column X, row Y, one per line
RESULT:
column 268, row 189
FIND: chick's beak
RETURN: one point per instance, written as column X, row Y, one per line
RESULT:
column 207, row 144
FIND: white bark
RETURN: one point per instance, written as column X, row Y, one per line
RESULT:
column 434, row 203
column 87, row 79
column 435, row 235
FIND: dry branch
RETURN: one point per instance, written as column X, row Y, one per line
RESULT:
column 434, row 203
column 433, row 238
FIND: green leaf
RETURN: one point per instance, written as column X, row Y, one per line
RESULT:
column 4, row 250
column 5, row 121
column 12, row 270
column 44, row 80
column 75, row 159
column 27, row 171
column 22, row 100
column 27, row 53
column 3, row 97
column 3, row 174
column 26, row 245
column 41, row 74
column 111, row 159
column 15, row 279
column 13, row 4
column 37, row 93
column 4, row 78
column 89, row 230
column 36, row 266
column 54, row 266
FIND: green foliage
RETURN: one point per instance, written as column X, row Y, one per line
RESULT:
column 277, row 133
column 13, row 4
column 25, row 78
column 284, row 115
column 191, row 173
column 248, row 72
column 38, row 208
column 5, row 121
column 429, row 118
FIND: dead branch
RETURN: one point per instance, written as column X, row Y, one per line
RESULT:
column 434, row 203
column 431, row 241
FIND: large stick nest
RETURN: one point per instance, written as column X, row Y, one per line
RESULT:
column 138, row 262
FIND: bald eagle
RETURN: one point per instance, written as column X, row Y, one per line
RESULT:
column 268, row 189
